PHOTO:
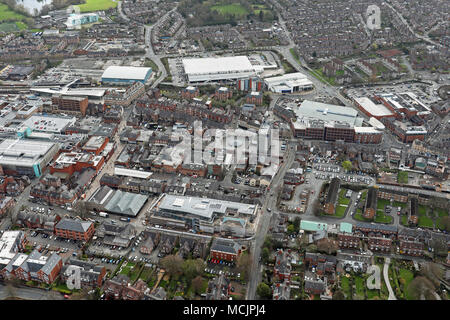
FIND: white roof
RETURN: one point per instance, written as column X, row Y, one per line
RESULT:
column 125, row 72
column 217, row 65
column 132, row 173
column 377, row 110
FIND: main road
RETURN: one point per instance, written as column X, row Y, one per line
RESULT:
column 263, row 226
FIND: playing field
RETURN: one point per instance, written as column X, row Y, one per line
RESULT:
column 234, row 8
column 97, row 5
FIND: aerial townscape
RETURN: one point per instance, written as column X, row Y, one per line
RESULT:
column 224, row 150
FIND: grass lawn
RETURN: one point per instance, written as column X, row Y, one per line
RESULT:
column 422, row 210
column 404, row 220
column 381, row 203
column 126, row 269
column 340, row 211
column 363, row 195
column 21, row 25
column 342, row 198
column 319, row 75
column 8, row 27
column 380, row 217
column 359, row 282
column 425, row 222
column 442, row 212
column 345, row 286
column 150, row 64
column 8, row 14
column 97, row 5
column 407, row 276
column 235, row 8
column 402, row 177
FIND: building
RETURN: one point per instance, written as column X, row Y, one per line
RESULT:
column 125, row 74
column 255, row 97
column 92, row 275
column 76, row 20
column 117, row 98
column 332, row 196
column 200, row 214
column 5, row 203
column 70, row 104
column 20, row 157
column 372, row 108
column 228, row 250
column 282, row 268
column 289, row 83
column 74, row 229
column 69, row 163
column 219, row 69
column 117, row 201
column 190, row 92
column 370, row 207
column 48, row 123
column 223, row 93
column 95, row 144
column 250, row 84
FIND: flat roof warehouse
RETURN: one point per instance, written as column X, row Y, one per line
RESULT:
column 126, row 73
column 220, row 68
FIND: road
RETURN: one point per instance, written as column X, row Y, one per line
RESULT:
column 263, row 225
column 150, row 54
column 28, row 293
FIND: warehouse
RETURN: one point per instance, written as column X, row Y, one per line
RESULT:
column 122, row 74
column 26, row 157
column 218, row 69
column 289, row 83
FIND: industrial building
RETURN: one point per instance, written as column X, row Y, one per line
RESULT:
column 49, row 124
column 117, row 201
column 219, row 69
column 200, row 214
column 289, row 83
column 125, row 74
column 26, row 157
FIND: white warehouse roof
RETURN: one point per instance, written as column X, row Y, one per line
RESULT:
column 125, row 72
column 202, row 69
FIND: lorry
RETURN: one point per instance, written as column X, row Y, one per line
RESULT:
column 103, row 214
column 125, row 219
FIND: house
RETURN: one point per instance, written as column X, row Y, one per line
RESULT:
column 282, row 268
column 331, row 197
column 314, row 284
column 92, row 275
column 74, row 229
column 36, row 267
column 119, row 288
column 218, row 288
column 151, row 242
column 33, row 220
column 281, row 291
column 167, row 243
column 158, row 294
column 116, row 235
column 370, row 207
column 379, row 244
column 228, row 250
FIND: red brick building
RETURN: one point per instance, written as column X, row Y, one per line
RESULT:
column 225, row 250
column 72, row 105
column 75, row 229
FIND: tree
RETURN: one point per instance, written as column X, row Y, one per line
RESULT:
column 440, row 247
column 338, row 295
column 297, row 224
column 347, row 165
column 446, row 223
column 244, row 264
column 81, row 209
column 172, row 264
column 268, row 242
column 420, row 287
column 263, row 290
column 197, row 284
column 327, row 246
column 290, row 229
column 265, row 254
column 192, row 268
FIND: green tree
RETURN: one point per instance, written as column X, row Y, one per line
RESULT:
column 192, row 268
column 347, row 165
column 297, row 224
column 290, row 229
column 244, row 264
column 265, row 254
column 264, row 291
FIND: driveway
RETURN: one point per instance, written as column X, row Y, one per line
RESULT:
column 387, row 261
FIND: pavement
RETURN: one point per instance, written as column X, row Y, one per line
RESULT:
column 387, row 261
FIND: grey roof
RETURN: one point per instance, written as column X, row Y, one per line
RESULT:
column 376, row 226
column 51, row 263
column 74, row 225
column 225, row 246
column 126, row 203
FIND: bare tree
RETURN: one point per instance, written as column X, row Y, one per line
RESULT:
column 172, row 264
column 197, row 284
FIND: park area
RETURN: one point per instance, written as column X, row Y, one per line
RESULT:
column 97, row 5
